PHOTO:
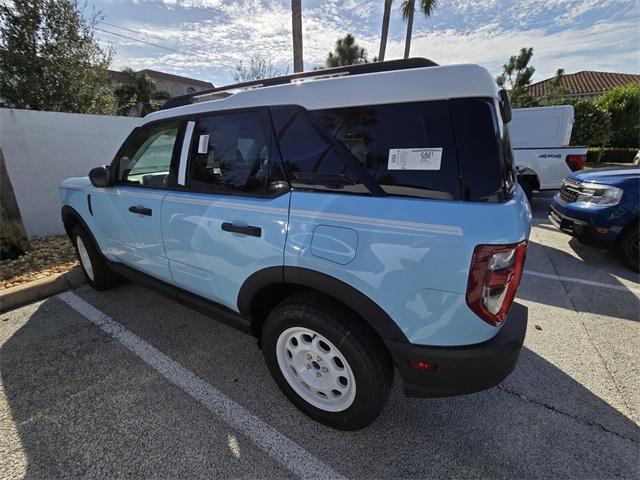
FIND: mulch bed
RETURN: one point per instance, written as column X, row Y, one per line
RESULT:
column 48, row 256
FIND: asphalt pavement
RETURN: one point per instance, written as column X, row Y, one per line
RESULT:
column 126, row 383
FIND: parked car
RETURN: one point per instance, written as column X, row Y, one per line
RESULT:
column 354, row 220
column 541, row 138
column 601, row 207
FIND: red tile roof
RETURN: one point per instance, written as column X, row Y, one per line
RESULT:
column 585, row 82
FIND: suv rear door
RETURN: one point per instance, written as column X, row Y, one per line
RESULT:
column 229, row 217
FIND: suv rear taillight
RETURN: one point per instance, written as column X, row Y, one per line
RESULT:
column 493, row 280
column 576, row 162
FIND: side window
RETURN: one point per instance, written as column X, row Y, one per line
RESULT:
column 312, row 162
column 347, row 148
column 373, row 133
column 230, row 153
column 146, row 160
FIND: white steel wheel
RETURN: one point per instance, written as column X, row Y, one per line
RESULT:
column 84, row 258
column 315, row 369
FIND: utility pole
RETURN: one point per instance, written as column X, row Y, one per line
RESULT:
column 296, row 20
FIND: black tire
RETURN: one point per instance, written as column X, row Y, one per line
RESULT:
column 628, row 246
column 527, row 185
column 101, row 277
column 364, row 352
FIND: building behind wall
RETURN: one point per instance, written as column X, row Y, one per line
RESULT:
column 587, row 85
column 175, row 85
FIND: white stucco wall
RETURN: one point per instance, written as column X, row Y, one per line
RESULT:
column 43, row 148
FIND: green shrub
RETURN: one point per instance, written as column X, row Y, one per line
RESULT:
column 623, row 104
column 614, row 155
column 592, row 125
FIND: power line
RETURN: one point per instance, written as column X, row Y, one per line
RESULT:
column 177, row 50
column 184, row 52
column 139, row 40
column 187, row 48
column 132, row 30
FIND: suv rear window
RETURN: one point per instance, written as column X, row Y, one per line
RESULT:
column 349, row 148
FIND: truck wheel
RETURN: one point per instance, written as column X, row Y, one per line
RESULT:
column 93, row 264
column 527, row 186
column 628, row 246
column 326, row 361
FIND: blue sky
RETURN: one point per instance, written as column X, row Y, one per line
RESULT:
column 205, row 39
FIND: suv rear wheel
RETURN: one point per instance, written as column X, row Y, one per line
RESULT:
column 93, row 264
column 326, row 361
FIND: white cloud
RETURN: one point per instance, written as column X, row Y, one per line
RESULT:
column 602, row 46
column 233, row 31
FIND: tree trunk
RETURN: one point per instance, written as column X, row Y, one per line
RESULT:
column 13, row 239
column 385, row 29
column 407, row 42
column 296, row 20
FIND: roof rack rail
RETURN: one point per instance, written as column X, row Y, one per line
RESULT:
column 359, row 69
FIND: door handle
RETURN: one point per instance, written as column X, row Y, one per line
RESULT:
column 141, row 210
column 245, row 230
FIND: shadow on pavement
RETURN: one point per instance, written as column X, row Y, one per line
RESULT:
column 594, row 266
column 84, row 406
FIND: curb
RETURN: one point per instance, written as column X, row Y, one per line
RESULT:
column 39, row 289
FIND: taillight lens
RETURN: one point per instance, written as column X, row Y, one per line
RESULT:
column 493, row 280
column 576, row 162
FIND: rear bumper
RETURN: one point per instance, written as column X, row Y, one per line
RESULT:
column 580, row 229
column 462, row 370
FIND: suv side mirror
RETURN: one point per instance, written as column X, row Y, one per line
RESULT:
column 100, row 176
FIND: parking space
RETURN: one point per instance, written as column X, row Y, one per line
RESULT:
column 127, row 383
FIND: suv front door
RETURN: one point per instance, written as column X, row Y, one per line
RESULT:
column 230, row 219
column 128, row 213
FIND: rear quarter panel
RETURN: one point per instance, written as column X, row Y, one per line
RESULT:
column 412, row 256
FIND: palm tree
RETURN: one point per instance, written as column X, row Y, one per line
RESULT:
column 385, row 29
column 138, row 90
column 296, row 20
column 347, row 52
column 408, row 8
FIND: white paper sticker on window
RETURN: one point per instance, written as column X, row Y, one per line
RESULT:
column 414, row 158
column 203, row 144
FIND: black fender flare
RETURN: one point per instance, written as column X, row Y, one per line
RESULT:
column 372, row 313
column 70, row 214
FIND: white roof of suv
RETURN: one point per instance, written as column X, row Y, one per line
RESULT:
column 395, row 86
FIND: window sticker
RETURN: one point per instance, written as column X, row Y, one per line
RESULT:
column 203, row 144
column 414, row 158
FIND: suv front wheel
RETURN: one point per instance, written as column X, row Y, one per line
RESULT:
column 93, row 263
column 330, row 365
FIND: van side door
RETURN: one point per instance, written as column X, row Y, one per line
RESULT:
column 229, row 217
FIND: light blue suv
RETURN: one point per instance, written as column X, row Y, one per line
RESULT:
column 354, row 220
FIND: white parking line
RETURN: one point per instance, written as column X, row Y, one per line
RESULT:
column 280, row 448
column 622, row 288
